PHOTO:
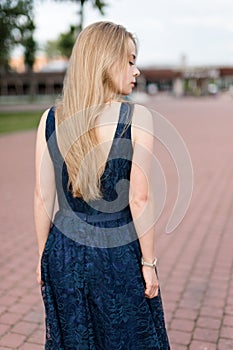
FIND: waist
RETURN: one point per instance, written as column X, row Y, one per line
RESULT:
column 94, row 218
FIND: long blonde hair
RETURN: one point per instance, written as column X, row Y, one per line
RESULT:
column 87, row 87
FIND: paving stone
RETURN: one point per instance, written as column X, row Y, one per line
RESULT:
column 228, row 320
column 182, row 324
column 202, row 345
column 225, row 344
column 37, row 337
column 24, row 327
column 4, row 328
column 209, row 322
column 206, row 334
column 227, row 332
column 30, row 346
column 10, row 318
column 179, row 337
column 179, row 347
column 12, row 340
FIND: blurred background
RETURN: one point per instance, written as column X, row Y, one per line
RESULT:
column 185, row 48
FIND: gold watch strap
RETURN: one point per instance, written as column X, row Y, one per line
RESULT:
column 144, row 263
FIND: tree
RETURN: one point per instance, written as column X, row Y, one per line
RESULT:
column 51, row 49
column 16, row 28
column 30, row 51
column 98, row 4
column 64, row 44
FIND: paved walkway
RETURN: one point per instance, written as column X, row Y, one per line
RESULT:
column 195, row 261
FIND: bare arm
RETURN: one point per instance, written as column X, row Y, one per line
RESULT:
column 44, row 194
column 141, row 197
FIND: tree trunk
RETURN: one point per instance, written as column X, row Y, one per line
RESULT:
column 81, row 15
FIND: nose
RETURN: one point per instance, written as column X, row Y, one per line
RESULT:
column 137, row 72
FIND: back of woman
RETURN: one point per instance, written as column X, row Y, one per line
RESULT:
column 97, row 265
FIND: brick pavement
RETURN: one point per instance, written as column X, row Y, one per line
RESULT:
column 195, row 261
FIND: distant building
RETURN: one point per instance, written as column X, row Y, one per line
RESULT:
column 226, row 74
column 46, row 79
column 163, row 78
column 31, row 83
column 42, row 64
column 187, row 80
column 48, row 75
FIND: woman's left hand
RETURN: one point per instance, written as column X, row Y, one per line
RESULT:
column 151, row 281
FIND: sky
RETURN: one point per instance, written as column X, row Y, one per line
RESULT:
column 167, row 30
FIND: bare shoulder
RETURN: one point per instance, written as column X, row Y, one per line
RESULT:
column 42, row 123
column 142, row 121
column 141, row 109
column 41, row 141
column 43, row 120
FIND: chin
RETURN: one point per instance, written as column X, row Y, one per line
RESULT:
column 126, row 93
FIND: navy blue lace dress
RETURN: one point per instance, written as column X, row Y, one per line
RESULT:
column 93, row 288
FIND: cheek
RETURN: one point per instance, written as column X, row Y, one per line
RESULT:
column 126, row 75
column 122, row 78
column 117, row 76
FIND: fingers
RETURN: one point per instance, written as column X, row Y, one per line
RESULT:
column 151, row 291
column 151, row 282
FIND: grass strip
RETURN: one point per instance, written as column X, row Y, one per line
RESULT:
column 18, row 121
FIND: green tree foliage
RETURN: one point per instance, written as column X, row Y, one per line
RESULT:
column 16, row 28
column 64, row 44
column 98, row 4
column 51, row 49
column 30, row 50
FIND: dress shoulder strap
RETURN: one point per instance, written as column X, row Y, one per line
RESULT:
column 125, row 119
column 50, row 124
column 51, row 139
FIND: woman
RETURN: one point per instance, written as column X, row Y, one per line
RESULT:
column 97, row 256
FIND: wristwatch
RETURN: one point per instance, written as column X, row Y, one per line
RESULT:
column 144, row 263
